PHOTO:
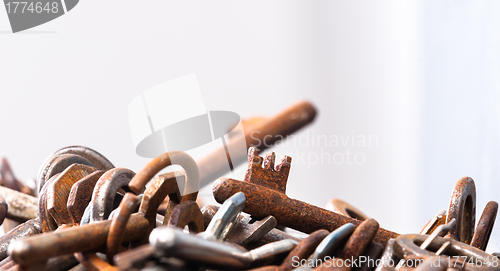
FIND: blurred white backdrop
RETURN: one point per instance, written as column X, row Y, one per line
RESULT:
column 420, row 77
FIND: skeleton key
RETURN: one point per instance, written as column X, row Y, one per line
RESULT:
column 303, row 250
column 265, row 190
column 341, row 207
column 245, row 232
column 372, row 253
column 485, row 226
column 173, row 242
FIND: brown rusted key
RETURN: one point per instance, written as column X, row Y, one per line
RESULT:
column 303, row 250
column 356, row 244
column 244, row 231
column 485, row 226
column 463, row 209
column 371, row 254
column 341, row 207
column 265, row 187
column 55, row 163
column 93, row 236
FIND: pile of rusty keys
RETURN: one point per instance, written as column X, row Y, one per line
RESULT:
column 90, row 215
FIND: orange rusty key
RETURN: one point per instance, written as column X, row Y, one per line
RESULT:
column 265, row 189
column 90, row 157
column 463, row 208
column 485, row 226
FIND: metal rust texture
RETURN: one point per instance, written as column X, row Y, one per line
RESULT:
column 58, row 192
column 408, row 244
column 115, row 237
column 92, row 262
column 187, row 214
column 485, row 226
column 138, row 183
column 263, row 201
column 9, row 180
column 245, row 232
column 80, row 195
column 21, row 206
column 28, row 228
column 46, row 221
column 372, row 252
column 261, row 134
column 105, row 191
column 462, row 207
column 3, row 210
column 83, row 238
column 360, row 239
column 433, row 264
column 436, row 221
column 93, row 236
column 303, row 250
column 341, row 207
column 96, row 159
column 271, row 236
column 175, row 198
column 129, row 259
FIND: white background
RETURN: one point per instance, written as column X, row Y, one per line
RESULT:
column 423, row 77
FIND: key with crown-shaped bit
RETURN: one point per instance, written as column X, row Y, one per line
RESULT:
column 265, row 188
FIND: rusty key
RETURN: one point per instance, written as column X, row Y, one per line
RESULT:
column 463, row 208
column 485, row 226
column 265, row 190
column 21, row 206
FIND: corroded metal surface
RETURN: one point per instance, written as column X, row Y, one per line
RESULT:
column 28, row 228
column 105, row 191
column 341, row 207
column 96, row 159
column 21, row 206
column 303, row 250
column 485, row 226
column 58, row 192
column 119, row 223
column 263, row 201
column 187, row 214
column 463, row 208
column 9, row 180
